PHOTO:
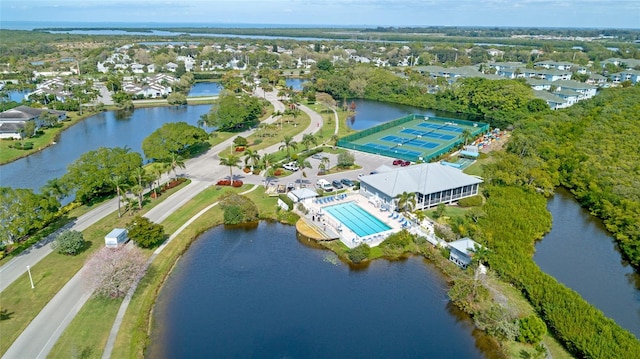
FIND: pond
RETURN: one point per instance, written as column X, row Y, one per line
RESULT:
column 581, row 254
column 200, row 89
column 106, row 129
column 296, row 84
column 17, row 95
column 239, row 293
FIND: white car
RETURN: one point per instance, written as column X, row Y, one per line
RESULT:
column 291, row 166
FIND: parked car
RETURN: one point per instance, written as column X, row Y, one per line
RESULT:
column 347, row 182
column 405, row 163
column 397, row 162
column 291, row 166
column 317, row 156
column 337, row 184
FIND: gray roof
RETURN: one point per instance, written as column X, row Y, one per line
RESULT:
column 25, row 113
column 422, row 178
column 304, row 193
column 548, row 96
column 465, row 245
column 11, row 127
column 573, row 85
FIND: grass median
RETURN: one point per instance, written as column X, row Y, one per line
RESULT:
column 22, row 303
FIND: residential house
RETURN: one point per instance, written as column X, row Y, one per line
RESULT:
column 12, row 121
column 461, row 251
column 538, row 84
column 554, row 101
column 552, row 65
column 584, row 90
column 630, row 75
column 171, row 66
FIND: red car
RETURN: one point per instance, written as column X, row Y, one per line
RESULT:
column 397, row 162
column 404, row 163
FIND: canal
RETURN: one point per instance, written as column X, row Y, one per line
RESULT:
column 581, row 254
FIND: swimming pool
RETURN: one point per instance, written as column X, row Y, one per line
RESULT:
column 357, row 219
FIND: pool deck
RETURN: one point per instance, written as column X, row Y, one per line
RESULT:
column 322, row 222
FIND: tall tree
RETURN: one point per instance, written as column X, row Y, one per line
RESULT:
column 288, row 143
column 252, row 156
column 229, row 161
column 309, row 139
column 406, row 201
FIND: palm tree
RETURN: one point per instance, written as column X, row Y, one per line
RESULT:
column 158, row 169
column 230, row 161
column 174, row 161
column 288, row 143
column 142, row 177
column 406, row 201
column 119, row 183
column 466, row 135
column 309, row 139
column 251, row 156
column 302, row 163
column 324, row 163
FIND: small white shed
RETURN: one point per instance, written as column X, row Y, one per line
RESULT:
column 116, row 238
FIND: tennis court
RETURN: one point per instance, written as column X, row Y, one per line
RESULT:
column 414, row 137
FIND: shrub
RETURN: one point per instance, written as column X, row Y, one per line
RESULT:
column 145, row 233
column 277, row 172
column 472, row 201
column 224, row 183
column 238, row 209
column 397, row 240
column 69, row 243
column 359, row 253
column 532, row 329
column 237, row 183
column 246, row 170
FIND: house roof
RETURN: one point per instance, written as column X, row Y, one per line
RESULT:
column 465, row 245
column 422, row 178
column 11, row 127
column 548, row 97
column 574, row 85
column 304, row 193
column 25, row 113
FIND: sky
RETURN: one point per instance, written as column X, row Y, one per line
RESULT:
column 514, row 13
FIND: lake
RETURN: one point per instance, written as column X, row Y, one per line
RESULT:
column 581, row 254
column 200, row 89
column 296, row 84
column 240, row 293
column 106, row 129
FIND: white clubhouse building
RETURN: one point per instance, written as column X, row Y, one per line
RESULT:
column 433, row 183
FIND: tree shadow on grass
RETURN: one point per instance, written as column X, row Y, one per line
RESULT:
column 5, row 314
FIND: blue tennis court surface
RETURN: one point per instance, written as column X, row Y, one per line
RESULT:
column 441, row 127
column 357, row 219
column 396, row 150
column 409, row 141
column 440, row 136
